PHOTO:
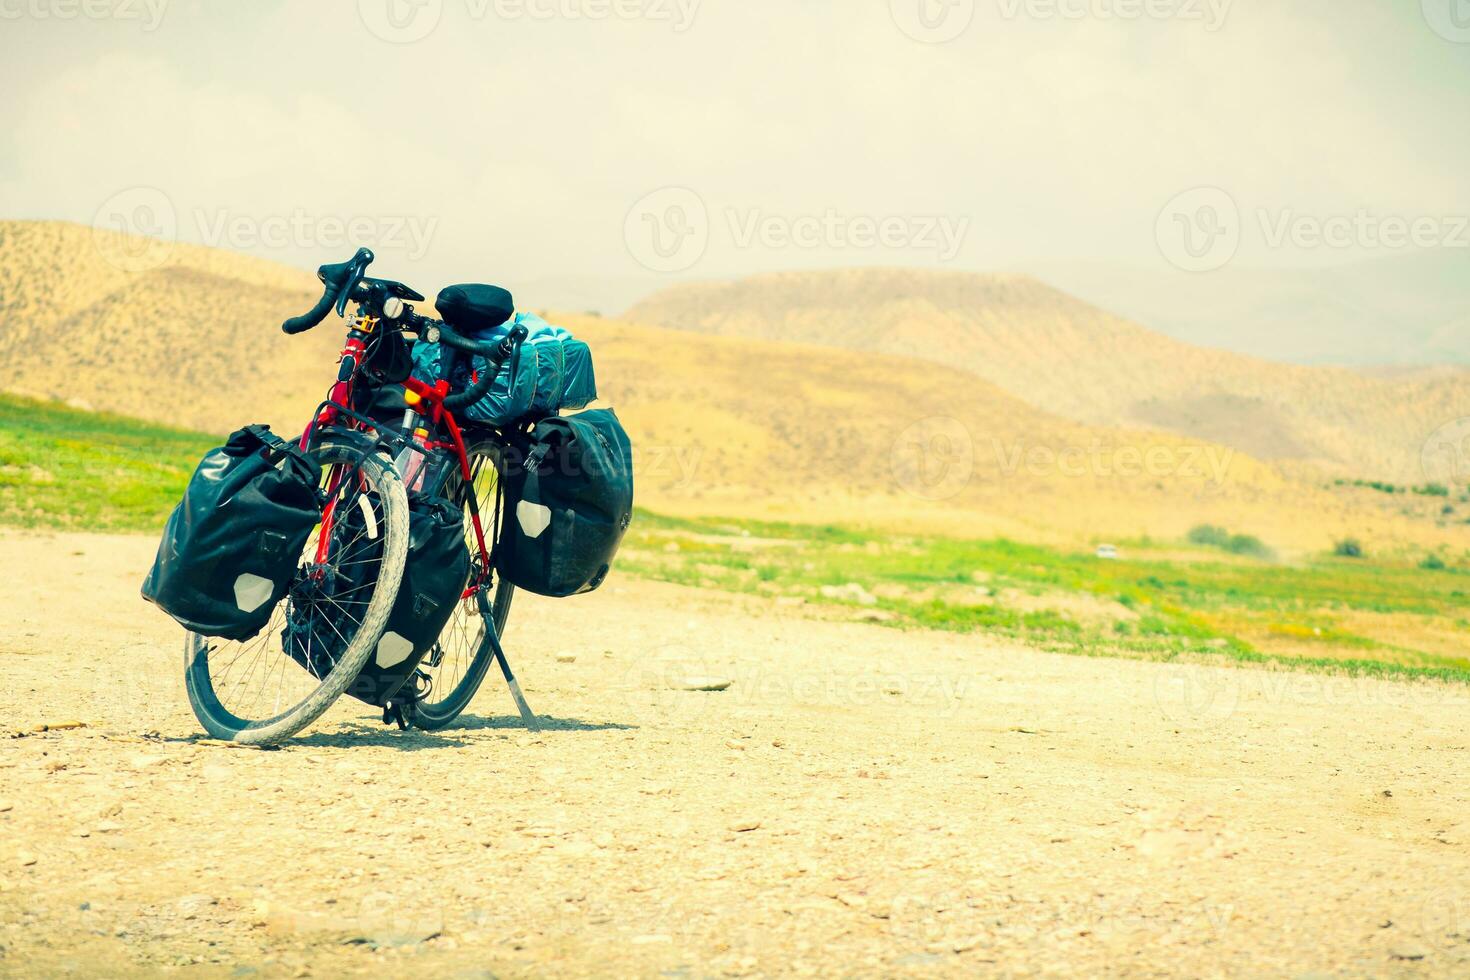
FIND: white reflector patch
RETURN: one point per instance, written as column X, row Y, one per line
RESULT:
column 368, row 517
column 252, row 592
column 393, row 650
column 534, row 518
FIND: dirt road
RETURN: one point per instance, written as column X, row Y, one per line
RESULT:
column 861, row 801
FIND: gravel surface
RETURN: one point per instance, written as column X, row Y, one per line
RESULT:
column 859, row 801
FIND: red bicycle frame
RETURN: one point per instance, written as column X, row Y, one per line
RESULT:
column 427, row 401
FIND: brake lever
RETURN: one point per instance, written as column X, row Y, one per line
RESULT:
column 358, row 266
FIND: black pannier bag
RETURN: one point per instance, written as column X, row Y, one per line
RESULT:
column 569, row 500
column 233, row 544
column 435, row 575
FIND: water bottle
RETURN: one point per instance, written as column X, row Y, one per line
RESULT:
column 412, row 462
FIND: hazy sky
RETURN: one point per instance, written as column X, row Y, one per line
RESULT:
column 636, row 141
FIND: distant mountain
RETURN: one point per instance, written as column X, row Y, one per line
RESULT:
column 1409, row 309
column 1068, row 357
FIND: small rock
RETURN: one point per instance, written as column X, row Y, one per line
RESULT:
column 25, row 859
column 82, row 832
column 108, row 827
column 850, row 592
column 745, row 826
column 566, row 658
column 6, row 806
column 731, row 743
column 701, row 684
column 965, row 945
column 1408, row 951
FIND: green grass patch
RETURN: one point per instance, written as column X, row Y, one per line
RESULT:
column 1149, row 607
column 64, row 468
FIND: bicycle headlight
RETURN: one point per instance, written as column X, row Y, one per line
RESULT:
column 392, row 308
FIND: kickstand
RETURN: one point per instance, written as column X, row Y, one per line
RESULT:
column 527, row 715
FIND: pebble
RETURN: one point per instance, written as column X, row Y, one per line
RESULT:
column 6, row 806
column 701, row 684
column 566, row 658
column 25, row 859
column 1408, row 951
column 744, row 826
column 851, row 592
column 108, row 827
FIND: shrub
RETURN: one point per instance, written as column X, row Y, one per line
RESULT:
column 1432, row 563
column 1348, row 548
column 1211, row 536
column 1433, row 490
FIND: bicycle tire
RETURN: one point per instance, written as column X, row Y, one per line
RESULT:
column 219, row 721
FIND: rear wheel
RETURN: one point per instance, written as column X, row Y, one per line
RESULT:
column 268, row 688
column 454, row 669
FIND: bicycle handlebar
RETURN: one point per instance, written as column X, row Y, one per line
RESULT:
column 340, row 279
column 309, row 319
column 495, row 354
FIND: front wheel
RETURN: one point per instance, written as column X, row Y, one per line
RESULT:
column 268, row 688
column 456, row 666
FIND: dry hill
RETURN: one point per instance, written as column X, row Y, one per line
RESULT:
column 169, row 332
column 722, row 425
column 1067, row 357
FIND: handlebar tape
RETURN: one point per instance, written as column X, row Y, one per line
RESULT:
column 309, row 319
column 340, row 280
column 495, row 354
